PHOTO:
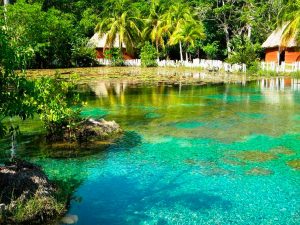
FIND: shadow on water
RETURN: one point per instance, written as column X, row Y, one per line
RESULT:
column 119, row 200
column 128, row 141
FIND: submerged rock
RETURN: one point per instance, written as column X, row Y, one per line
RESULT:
column 282, row 151
column 258, row 171
column 27, row 196
column 294, row 164
column 69, row 219
column 255, row 156
column 215, row 171
column 233, row 162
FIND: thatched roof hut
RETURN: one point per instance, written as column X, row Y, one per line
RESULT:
column 278, row 52
column 98, row 41
column 275, row 39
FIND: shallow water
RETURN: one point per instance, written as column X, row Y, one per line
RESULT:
column 211, row 154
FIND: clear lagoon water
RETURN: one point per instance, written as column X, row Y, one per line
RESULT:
column 190, row 154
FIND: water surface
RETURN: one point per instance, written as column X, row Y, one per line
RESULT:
column 194, row 154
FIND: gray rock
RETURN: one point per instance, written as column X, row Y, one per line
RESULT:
column 69, row 219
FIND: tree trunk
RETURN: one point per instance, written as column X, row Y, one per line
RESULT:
column 249, row 27
column 186, row 56
column 181, row 54
column 227, row 40
column 6, row 2
column 157, row 51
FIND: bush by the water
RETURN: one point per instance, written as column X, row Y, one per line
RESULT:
column 57, row 105
column 115, row 55
column 148, row 55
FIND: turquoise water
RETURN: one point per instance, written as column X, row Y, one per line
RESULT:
column 213, row 154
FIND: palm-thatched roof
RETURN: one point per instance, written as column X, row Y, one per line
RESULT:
column 98, row 41
column 275, row 39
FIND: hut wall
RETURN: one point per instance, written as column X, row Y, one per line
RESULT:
column 271, row 55
column 126, row 55
column 100, row 54
column 292, row 55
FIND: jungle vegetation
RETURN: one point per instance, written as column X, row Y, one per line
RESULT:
column 214, row 29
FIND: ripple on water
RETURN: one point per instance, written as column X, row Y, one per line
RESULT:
column 187, row 125
column 251, row 115
column 94, row 112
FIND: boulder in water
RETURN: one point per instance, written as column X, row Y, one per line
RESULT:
column 97, row 129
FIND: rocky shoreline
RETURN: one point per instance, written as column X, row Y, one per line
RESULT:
column 27, row 196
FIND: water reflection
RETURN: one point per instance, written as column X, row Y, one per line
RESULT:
column 280, row 83
column 279, row 90
column 107, row 88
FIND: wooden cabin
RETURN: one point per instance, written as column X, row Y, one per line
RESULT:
column 276, row 52
column 99, row 43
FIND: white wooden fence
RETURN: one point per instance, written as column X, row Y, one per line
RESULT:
column 211, row 65
column 284, row 67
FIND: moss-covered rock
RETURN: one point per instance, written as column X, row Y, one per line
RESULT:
column 97, row 129
column 27, row 196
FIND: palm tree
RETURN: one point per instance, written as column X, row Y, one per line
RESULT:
column 188, row 33
column 120, row 25
column 291, row 17
column 156, row 27
column 177, row 16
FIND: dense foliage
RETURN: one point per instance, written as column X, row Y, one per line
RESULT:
column 52, row 99
column 15, row 90
column 214, row 29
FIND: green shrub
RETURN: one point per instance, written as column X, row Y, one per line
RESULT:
column 148, row 55
column 211, row 50
column 254, row 67
column 82, row 55
column 115, row 55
